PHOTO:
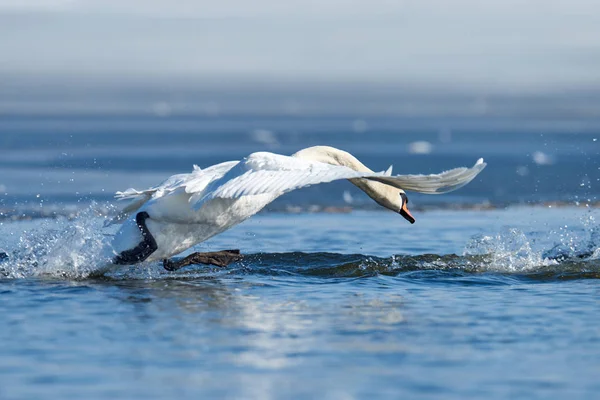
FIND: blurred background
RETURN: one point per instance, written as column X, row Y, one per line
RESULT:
column 101, row 95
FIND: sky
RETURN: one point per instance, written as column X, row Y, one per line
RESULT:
column 509, row 45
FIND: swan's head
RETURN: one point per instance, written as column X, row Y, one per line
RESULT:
column 392, row 199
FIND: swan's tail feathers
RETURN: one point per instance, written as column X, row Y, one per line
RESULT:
column 388, row 172
column 435, row 183
column 138, row 199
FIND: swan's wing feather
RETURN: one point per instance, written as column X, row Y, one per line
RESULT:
column 269, row 173
column 137, row 200
column 280, row 182
column 199, row 179
column 262, row 173
column 193, row 183
column 168, row 185
column 435, row 183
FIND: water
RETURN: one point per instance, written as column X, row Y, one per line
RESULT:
column 70, row 160
column 493, row 293
column 329, row 305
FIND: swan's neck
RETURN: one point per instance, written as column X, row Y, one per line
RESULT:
column 333, row 156
column 381, row 193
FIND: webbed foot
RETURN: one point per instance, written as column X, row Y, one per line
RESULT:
column 219, row 258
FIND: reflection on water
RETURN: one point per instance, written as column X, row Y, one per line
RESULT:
column 274, row 331
column 228, row 335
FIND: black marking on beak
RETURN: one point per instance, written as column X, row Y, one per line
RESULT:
column 404, row 210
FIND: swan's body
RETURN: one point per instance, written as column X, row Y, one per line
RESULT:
column 188, row 209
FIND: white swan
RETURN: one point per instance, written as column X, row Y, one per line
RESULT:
column 187, row 209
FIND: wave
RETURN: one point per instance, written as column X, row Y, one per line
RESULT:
column 71, row 248
column 326, row 266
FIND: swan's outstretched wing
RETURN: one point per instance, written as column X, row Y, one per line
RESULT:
column 435, row 183
column 262, row 173
column 137, row 198
column 194, row 183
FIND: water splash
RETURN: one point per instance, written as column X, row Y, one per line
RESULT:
column 68, row 248
column 581, row 242
column 509, row 251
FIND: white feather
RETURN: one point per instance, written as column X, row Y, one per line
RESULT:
column 443, row 182
column 194, row 183
column 262, row 173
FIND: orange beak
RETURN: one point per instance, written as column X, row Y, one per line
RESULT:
column 406, row 214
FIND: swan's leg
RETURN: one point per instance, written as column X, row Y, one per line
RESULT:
column 143, row 250
column 3, row 256
column 218, row 258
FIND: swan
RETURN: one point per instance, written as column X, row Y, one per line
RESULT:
column 187, row 209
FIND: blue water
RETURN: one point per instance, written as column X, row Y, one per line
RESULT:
column 493, row 293
column 75, row 160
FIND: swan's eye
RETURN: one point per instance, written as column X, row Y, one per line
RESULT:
column 404, row 198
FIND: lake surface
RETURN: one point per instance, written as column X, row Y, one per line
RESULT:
column 493, row 293
column 324, row 305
